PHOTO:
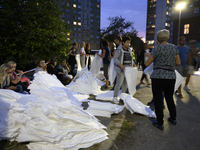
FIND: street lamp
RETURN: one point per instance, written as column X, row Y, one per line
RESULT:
column 180, row 6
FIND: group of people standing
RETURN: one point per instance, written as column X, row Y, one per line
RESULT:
column 84, row 51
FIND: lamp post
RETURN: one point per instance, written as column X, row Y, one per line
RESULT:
column 180, row 6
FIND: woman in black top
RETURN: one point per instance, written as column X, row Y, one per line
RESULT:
column 72, row 55
column 106, row 61
column 88, row 52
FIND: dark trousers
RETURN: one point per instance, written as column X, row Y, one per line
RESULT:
column 167, row 87
column 72, row 69
column 144, row 76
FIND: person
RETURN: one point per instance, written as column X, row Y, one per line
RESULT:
column 89, row 53
column 63, row 66
column 15, row 80
column 133, row 55
column 145, row 53
column 118, row 41
column 82, row 54
column 41, row 66
column 106, row 61
column 185, row 58
column 112, row 47
column 5, row 70
column 139, row 59
column 72, row 55
column 51, row 69
column 165, row 57
column 198, row 61
column 122, row 59
column 192, row 55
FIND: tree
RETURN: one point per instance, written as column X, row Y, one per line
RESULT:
column 32, row 30
column 119, row 26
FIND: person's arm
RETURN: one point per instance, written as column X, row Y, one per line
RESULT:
column 18, row 78
column 178, row 61
column 70, row 53
column 103, row 55
column 149, row 61
column 67, row 67
column 14, row 88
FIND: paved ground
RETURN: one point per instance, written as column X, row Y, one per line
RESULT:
column 184, row 136
column 135, row 132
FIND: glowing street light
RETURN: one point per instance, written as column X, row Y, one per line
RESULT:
column 180, row 6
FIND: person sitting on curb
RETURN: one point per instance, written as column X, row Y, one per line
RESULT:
column 5, row 70
column 63, row 66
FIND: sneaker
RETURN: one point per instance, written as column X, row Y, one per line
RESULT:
column 186, row 88
column 160, row 127
column 180, row 95
column 172, row 121
column 116, row 100
column 106, row 88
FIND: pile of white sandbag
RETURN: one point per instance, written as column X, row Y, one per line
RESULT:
column 49, row 118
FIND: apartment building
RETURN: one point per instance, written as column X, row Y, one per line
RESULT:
column 83, row 16
column 159, row 14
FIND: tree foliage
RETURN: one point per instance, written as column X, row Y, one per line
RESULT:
column 119, row 26
column 32, row 30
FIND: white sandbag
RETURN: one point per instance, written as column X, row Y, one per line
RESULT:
column 131, row 79
column 96, row 64
column 149, row 69
column 106, row 95
column 86, row 84
column 111, row 72
column 197, row 73
column 179, row 80
column 135, row 106
column 78, row 62
column 100, row 76
column 91, row 59
column 103, row 109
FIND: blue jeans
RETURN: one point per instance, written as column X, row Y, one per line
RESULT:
column 19, row 89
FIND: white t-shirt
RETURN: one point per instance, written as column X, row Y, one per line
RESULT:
column 82, row 50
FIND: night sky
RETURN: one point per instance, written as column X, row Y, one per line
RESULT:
column 133, row 10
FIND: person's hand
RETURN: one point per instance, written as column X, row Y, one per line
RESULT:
column 20, row 72
column 123, row 67
column 14, row 88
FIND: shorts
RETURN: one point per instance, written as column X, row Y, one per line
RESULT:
column 190, row 70
column 183, row 70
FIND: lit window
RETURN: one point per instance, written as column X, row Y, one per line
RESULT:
column 68, row 39
column 186, row 28
column 68, row 33
column 97, row 5
column 74, row 23
column 167, row 1
column 79, row 23
column 74, row 5
column 167, row 13
column 153, row 26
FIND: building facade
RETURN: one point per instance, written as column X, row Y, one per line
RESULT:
column 189, row 21
column 83, row 16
